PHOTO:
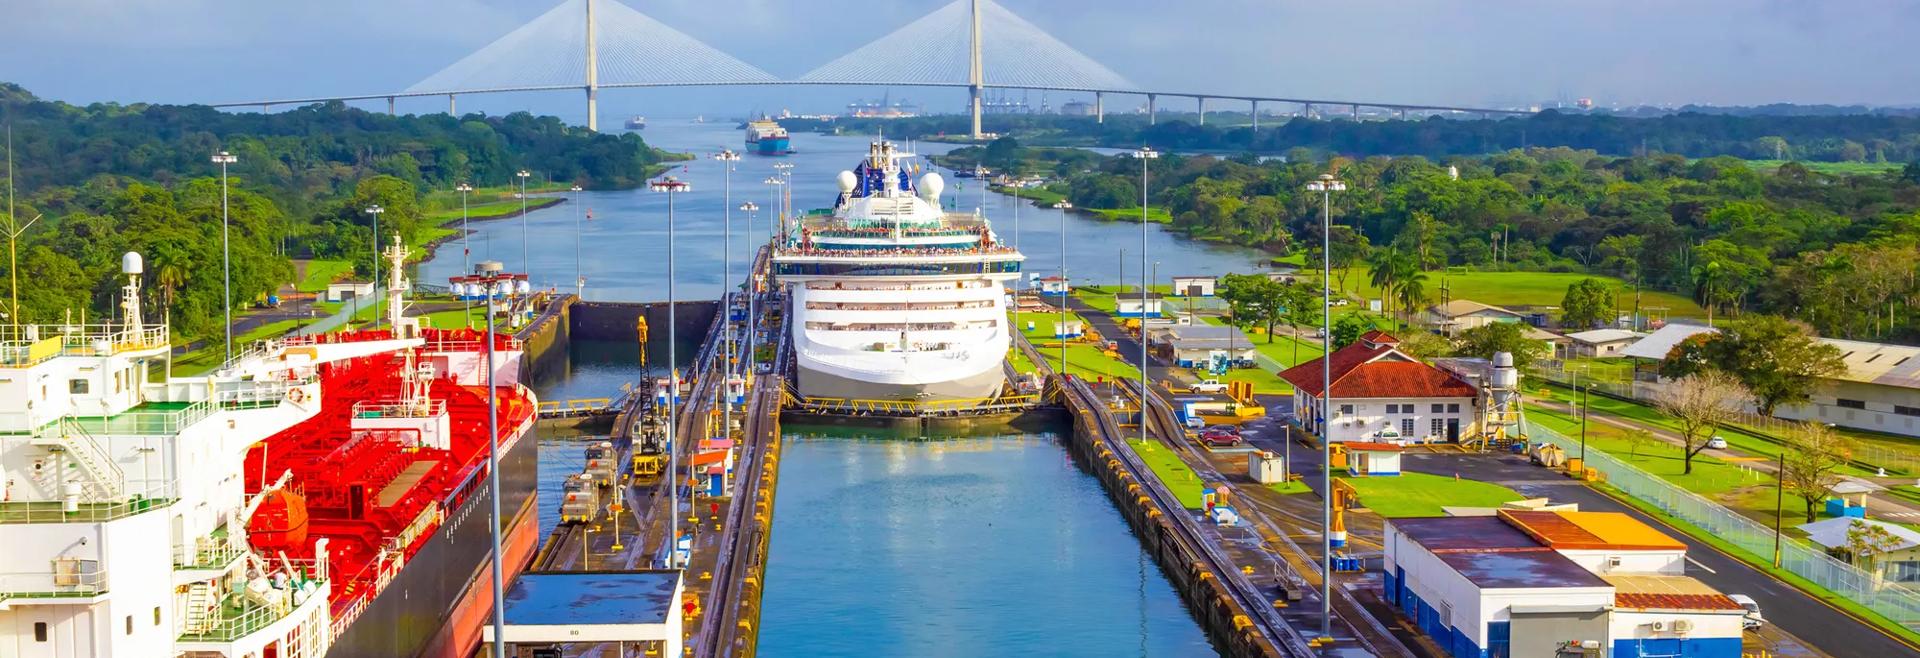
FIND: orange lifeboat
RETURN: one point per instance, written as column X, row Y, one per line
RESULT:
column 280, row 522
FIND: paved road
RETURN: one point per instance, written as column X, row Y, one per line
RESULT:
column 1806, row 618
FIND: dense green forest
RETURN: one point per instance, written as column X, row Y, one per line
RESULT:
column 105, row 179
column 1816, row 138
column 1839, row 251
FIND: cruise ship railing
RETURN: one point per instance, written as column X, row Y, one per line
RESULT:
column 135, row 501
column 65, row 578
column 239, row 614
column 27, row 345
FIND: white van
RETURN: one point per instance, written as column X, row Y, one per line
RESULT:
column 1753, row 619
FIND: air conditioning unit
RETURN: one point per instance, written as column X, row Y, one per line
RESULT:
column 1682, row 625
column 1613, row 560
column 1659, row 626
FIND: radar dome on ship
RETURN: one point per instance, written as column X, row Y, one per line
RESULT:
column 847, row 181
column 131, row 263
column 931, row 185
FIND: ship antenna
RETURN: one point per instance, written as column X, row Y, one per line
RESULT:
column 14, row 231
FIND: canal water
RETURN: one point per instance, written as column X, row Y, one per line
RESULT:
column 957, row 546
column 941, row 546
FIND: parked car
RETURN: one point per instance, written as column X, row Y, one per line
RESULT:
column 1717, row 442
column 1214, row 438
column 1209, row 386
column 1753, row 619
column 1225, row 428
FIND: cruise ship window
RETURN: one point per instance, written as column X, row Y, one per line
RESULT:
column 39, row 631
column 77, row 386
column 129, row 624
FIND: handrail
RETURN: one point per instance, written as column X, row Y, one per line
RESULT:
column 68, row 577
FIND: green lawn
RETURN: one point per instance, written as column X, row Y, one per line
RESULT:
column 1039, row 195
column 1420, row 494
column 491, row 209
column 1290, row 487
column 214, row 352
column 1179, row 478
column 1102, row 297
column 1155, row 214
column 455, row 318
column 1738, row 439
column 1529, row 289
column 322, row 272
column 1087, row 360
column 1848, row 168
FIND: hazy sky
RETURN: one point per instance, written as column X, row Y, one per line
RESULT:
column 1469, row 52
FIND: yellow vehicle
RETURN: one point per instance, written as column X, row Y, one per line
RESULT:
column 647, row 468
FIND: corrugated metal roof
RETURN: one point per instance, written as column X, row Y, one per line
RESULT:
column 1832, row 533
column 1442, row 534
column 1602, row 336
column 1460, row 307
column 1590, row 531
column 1662, row 592
column 1657, row 344
column 1867, row 363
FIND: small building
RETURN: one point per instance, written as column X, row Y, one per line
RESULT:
column 1896, row 559
column 1201, row 345
column 645, row 609
column 1069, row 329
column 1128, row 305
column 1460, row 315
column 1540, row 583
column 1193, row 286
column 1055, row 286
column 1380, row 390
column 1370, row 459
column 349, row 290
column 1602, row 342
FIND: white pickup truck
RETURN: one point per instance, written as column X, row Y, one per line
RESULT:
column 1209, row 386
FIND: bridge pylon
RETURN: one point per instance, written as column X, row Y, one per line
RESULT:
column 976, row 78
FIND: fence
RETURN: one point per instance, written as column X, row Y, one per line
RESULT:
column 1893, row 601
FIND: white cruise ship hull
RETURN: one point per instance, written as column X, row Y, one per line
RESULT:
column 819, row 383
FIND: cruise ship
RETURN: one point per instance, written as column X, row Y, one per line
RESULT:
column 313, row 496
column 894, row 297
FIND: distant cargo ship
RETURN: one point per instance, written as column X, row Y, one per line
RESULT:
column 637, row 122
column 766, row 137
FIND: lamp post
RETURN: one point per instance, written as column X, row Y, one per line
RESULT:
column 753, row 292
column 1326, row 185
column 773, row 182
column 579, row 277
column 466, row 249
column 1143, row 155
column 728, row 160
column 491, row 281
column 376, row 211
column 785, row 171
column 526, row 262
column 223, row 159
column 670, row 186
column 1065, row 290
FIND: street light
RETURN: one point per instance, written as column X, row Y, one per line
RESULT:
column 727, row 159
column 466, row 249
column 775, row 182
column 376, row 211
column 785, row 171
column 1065, row 289
column 670, row 186
column 579, row 278
column 1326, row 185
column 526, row 261
column 490, row 280
column 753, row 292
column 1143, row 155
column 223, row 159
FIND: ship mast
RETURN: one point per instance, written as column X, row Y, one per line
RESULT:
column 397, row 285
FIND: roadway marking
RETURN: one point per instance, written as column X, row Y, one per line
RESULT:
column 1698, row 564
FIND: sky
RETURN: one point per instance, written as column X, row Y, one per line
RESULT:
column 1457, row 52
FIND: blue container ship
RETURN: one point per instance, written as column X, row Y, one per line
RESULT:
column 767, row 137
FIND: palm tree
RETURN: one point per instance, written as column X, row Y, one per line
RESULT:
column 1384, row 273
column 1412, row 291
column 170, row 267
column 1704, row 278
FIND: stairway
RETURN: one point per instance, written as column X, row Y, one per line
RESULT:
column 104, row 480
column 202, row 609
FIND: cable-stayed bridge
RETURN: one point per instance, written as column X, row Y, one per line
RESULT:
column 590, row 45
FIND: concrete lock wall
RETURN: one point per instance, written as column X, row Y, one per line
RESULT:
column 618, row 322
column 547, row 340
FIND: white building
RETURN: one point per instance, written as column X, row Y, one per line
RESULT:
column 1878, row 391
column 1602, row 342
column 1198, row 345
column 1535, row 583
column 1128, row 305
column 1055, row 286
column 1460, row 315
column 1383, row 394
column 349, row 290
column 1193, row 286
column 1897, row 561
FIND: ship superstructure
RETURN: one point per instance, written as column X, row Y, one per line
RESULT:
column 276, row 506
column 894, row 297
column 767, row 137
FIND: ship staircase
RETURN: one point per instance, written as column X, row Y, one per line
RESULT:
column 101, row 478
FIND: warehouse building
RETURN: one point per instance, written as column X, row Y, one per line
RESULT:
column 1540, row 583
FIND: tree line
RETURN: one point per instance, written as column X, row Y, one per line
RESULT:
column 104, row 179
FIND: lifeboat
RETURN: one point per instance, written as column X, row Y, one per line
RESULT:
column 280, row 522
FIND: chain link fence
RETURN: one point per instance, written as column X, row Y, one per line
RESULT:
column 1893, row 601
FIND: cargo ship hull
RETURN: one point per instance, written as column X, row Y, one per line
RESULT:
column 770, row 145
column 437, row 604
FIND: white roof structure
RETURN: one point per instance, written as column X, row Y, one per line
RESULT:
column 1604, row 336
column 1657, row 344
column 1867, row 363
column 1832, row 533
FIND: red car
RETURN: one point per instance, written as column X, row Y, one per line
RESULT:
column 1218, row 437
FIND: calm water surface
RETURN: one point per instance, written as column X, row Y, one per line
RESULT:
column 984, row 546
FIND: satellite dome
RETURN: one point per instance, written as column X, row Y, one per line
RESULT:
column 131, row 263
column 931, row 185
column 847, row 181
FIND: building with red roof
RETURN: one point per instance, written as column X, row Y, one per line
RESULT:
column 1383, row 394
